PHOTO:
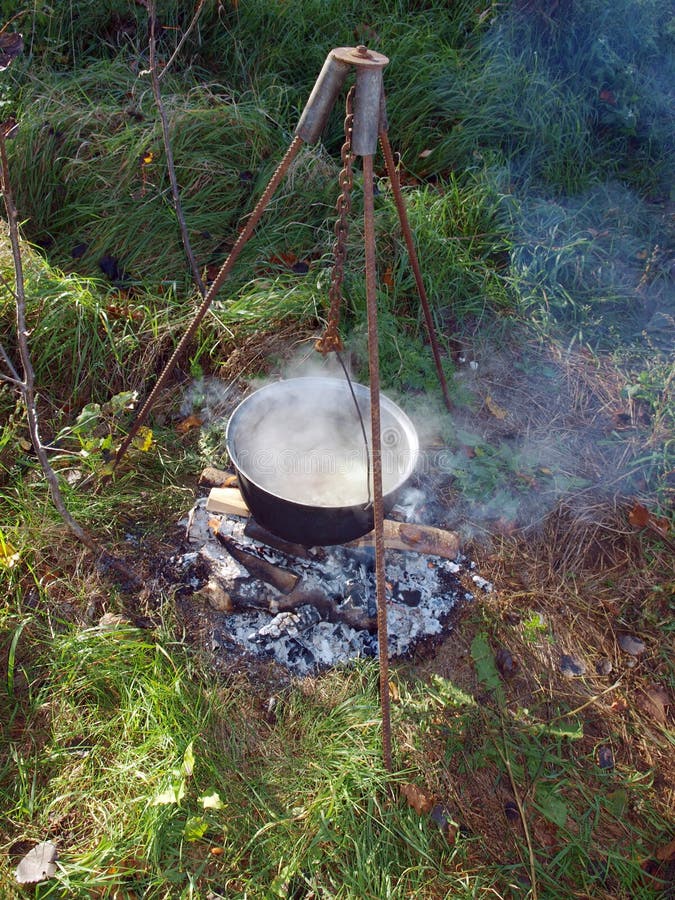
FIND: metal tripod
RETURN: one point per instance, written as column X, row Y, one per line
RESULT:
column 369, row 126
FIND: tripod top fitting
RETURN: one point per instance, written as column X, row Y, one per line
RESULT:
column 369, row 112
column 359, row 56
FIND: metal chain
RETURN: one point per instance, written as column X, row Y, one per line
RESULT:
column 330, row 340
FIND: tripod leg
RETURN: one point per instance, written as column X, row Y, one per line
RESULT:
column 376, row 451
column 414, row 263
column 224, row 271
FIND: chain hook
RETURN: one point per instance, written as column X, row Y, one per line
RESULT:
column 330, row 341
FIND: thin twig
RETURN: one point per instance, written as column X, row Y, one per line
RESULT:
column 521, row 810
column 13, row 377
column 27, row 389
column 175, row 190
column 182, row 40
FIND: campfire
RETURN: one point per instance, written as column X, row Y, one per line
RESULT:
column 310, row 608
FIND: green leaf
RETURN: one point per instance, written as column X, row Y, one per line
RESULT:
column 211, row 801
column 616, row 802
column 173, row 794
column 552, row 806
column 189, row 759
column 572, row 730
column 195, row 828
column 88, row 418
column 122, row 402
column 486, row 668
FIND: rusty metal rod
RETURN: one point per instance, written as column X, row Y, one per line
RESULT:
column 224, row 271
column 376, row 452
column 414, row 263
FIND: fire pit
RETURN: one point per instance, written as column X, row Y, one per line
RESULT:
column 310, row 608
column 302, row 460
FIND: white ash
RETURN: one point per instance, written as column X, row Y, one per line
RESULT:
column 422, row 591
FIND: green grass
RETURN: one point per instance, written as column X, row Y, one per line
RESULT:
column 536, row 153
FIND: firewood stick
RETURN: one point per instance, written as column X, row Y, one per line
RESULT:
column 281, row 579
column 419, row 538
column 258, row 533
column 299, row 596
column 327, row 607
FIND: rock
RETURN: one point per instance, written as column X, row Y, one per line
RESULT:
column 571, row 667
column 604, row 666
column 631, row 644
column 605, row 758
column 511, row 811
column 506, row 664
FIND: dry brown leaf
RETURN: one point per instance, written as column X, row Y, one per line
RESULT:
column 654, row 701
column 188, row 424
column 494, row 408
column 640, row 517
column 666, row 853
column 417, row 798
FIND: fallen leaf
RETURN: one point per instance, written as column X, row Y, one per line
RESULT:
column 388, row 277
column 495, row 409
column 39, row 864
column 425, row 153
column 654, row 701
column 11, row 46
column 394, row 692
column 173, row 794
column 417, row 798
column 211, row 801
column 639, row 515
column 188, row 424
column 619, row 705
column 666, row 853
column 9, row 556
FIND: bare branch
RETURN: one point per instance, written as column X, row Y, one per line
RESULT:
column 179, row 47
column 13, row 377
column 175, row 190
column 27, row 387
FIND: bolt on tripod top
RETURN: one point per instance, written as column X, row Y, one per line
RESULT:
column 369, row 109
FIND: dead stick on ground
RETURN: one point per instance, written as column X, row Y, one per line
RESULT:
column 26, row 386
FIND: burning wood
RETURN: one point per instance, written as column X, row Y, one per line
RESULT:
column 281, row 579
column 258, row 533
column 308, row 608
